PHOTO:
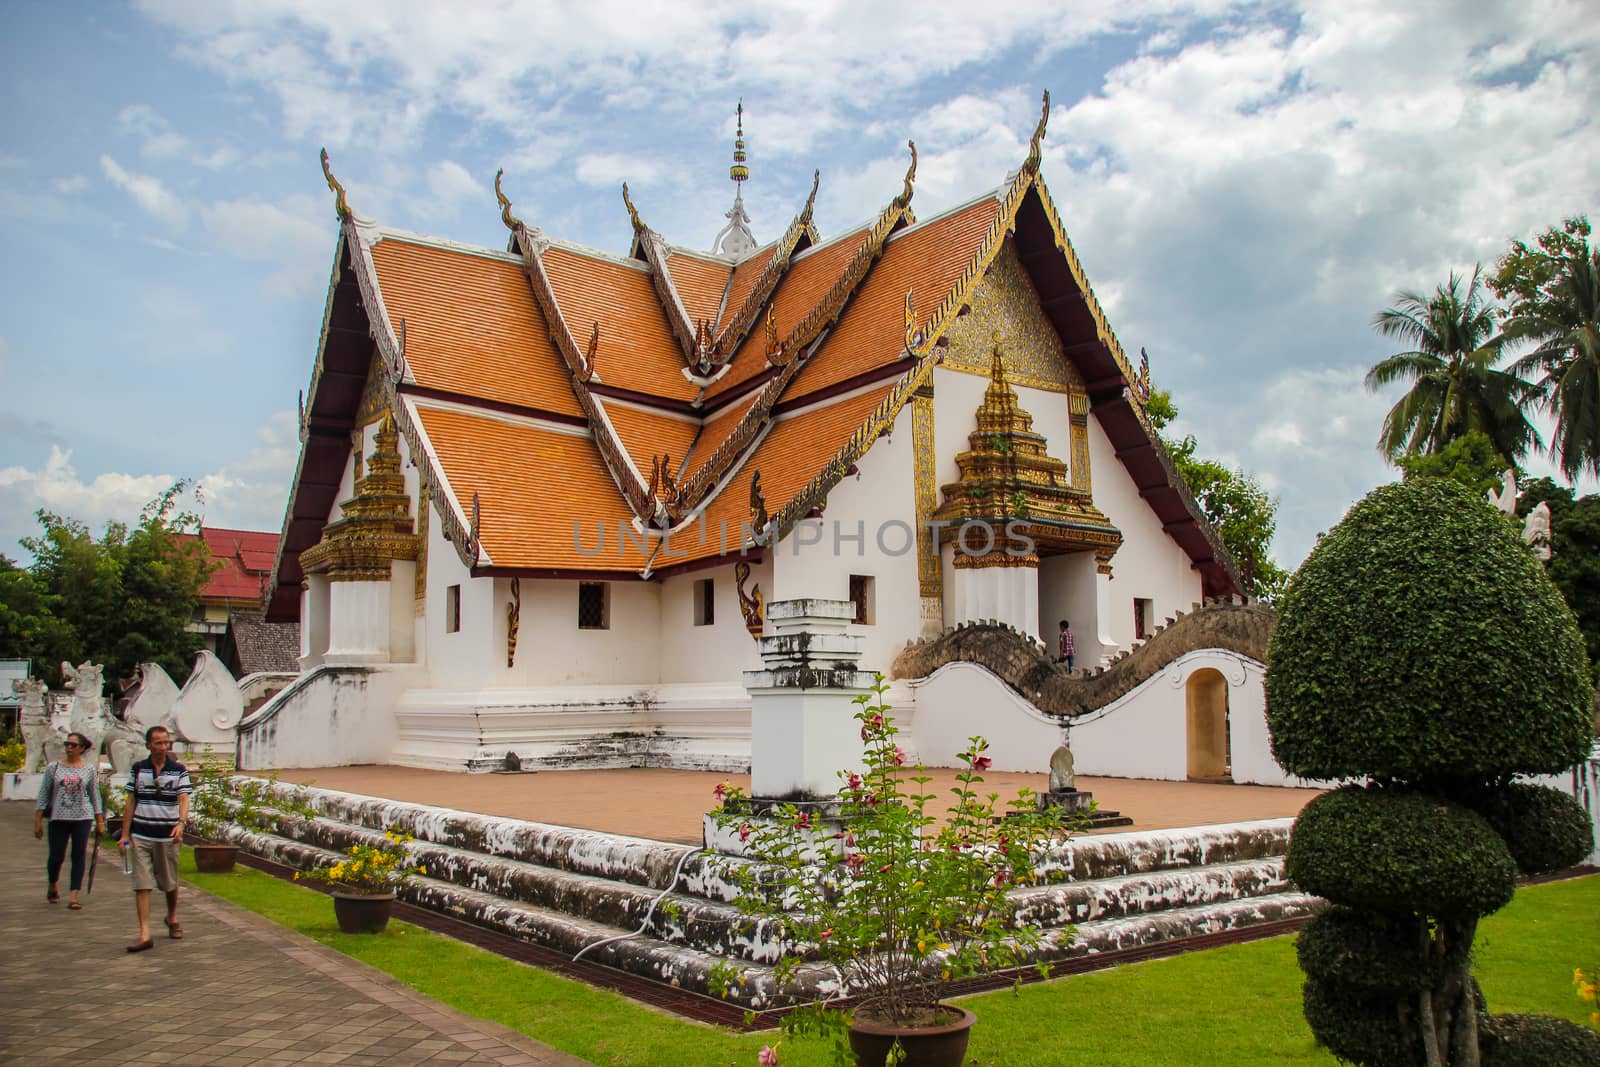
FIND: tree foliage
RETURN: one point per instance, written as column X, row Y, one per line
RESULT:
column 1575, row 554
column 1524, row 276
column 1454, row 384
column 1563, row 323
column 1421, row 646
column 1233, row 502
column 1470, row 459
column 120, row 600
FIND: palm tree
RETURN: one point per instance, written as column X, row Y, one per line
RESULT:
column 1455, row 386
column 1566, row 326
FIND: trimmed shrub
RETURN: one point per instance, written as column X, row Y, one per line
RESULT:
column 1546, row 829
column 1398, row 852
column 1367, row 951
column 1537, row 1041
column 1422, row 639
column 1360, row 1028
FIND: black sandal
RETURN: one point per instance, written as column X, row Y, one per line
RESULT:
column 52, row 896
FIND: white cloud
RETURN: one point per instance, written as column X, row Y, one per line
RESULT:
column 57, row 487
column 252, row 493
column 451, row 184
column 148, row 193
column 606, row 170
column 289, row 235
column 69, row 186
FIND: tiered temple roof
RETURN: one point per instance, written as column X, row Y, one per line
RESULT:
column 552, row 388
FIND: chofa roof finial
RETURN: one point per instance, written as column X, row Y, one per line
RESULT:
column 1035, row 151
column 512, row 222
column 911, row 175
column 633, row 213
column 735, row 239
column 341, row 206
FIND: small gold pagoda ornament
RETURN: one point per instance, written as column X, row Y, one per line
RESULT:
column 375, row 526
column 1011, row 485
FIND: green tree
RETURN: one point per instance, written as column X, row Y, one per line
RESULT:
column 1523, row 276
column 1574, row 564
column 128, row 597
column 1470, row 459
column 1422, row 648
column 1455, row 386
column 1563, row 322
column 1233, row 502
column 29, row 627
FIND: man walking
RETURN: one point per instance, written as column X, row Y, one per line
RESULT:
column 152, row 826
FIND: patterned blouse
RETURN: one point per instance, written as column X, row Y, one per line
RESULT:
column 76, row 793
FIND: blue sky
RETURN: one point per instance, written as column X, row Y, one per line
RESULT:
column 1246, row 183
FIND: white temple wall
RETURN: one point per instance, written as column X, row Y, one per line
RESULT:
column 1067, row 591
column 719, row 652
column 552, row 650
column 818, row 556
column 466, row 656
column 1149, row 565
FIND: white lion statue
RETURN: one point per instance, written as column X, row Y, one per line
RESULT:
column 40, row 736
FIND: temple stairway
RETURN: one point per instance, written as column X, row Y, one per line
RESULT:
column 575, row 890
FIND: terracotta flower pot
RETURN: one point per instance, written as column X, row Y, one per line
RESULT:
column 215, row 859
column 944, row 1045
column 362, row 913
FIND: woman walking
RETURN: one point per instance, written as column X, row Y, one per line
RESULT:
column 69, row 798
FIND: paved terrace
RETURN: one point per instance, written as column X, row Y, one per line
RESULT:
column 236, row 990
column 667, row 805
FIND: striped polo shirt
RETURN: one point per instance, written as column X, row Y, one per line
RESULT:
column 155, row 797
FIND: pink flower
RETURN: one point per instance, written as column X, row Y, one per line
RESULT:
column 767, row 1057
column 721, row 791
column 855, row 861
column 854, row 781
column 981, row 763
column 899, row 756
column 825, row 934
column 850, row 839
column 803, row 821
column 744, row 832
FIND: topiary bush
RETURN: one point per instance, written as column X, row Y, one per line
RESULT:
column 1422, row 648
column 1538, row 1041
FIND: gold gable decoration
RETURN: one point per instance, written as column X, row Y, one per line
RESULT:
column 1008, row 477
column 375, row 526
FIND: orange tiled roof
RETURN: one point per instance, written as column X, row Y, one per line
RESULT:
column 637, row 349
column 646, row 434
column 532, row 483
column 928, row 259
column 701, row 283
column 472, row 325
column 716, row 430
column 805, row 283
column 743, row 280
column 244, row 561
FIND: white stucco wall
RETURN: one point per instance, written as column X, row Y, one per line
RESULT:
column 467, row 656
column 818, row 557
column 719, row 652
column 552, row 650
column 1149, row 565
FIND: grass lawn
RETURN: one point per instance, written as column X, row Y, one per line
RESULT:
column 1229, row 1006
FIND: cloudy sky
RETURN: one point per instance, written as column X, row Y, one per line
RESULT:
column 1247, row 184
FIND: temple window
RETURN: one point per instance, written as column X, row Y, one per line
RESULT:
column 862, row 595
column 705, row 602
column 594, row 606
column 452, row 609
column 1144, row 617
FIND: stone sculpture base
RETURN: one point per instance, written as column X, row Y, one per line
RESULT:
column 20, row 786
column 1078, row 802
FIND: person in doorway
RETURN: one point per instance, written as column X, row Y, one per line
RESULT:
column 1069, row 647
column 69, row 798
column 158, row 791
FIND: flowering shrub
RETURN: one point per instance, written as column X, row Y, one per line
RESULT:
column 895, row 901
column 371, row 868
column 1588, row 987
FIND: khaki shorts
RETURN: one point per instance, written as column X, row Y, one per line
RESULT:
column 155, row 865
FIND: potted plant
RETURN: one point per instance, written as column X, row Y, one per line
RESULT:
column 212, row 807
column 891, row 899
column 364, row 882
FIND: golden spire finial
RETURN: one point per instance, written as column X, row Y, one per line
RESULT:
column 911, row 175
column 512, row 222
column 1035, row 152
column 633, row 214
column 739, row 172
column 341, row 206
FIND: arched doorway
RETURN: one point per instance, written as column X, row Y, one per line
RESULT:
column 1206, row 697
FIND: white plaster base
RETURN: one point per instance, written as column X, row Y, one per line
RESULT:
column 1008, row 595
column 688, row 726
column 22, row 786
column 330, row 717
column 801, row 740
column 358, row 622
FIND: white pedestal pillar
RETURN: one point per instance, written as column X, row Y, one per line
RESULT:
column 358, row 622
column 803, row 730
column 1008, row 595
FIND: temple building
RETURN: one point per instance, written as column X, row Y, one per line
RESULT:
column 545, row 492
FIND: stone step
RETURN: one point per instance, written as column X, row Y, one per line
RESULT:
column 578, row 890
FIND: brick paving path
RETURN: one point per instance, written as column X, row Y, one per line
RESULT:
column 236, row 990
